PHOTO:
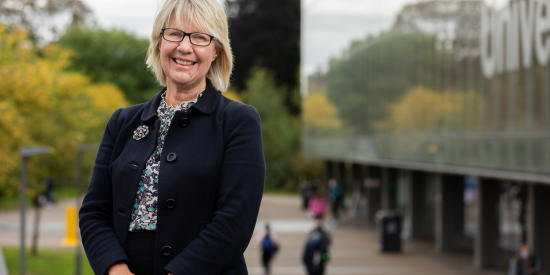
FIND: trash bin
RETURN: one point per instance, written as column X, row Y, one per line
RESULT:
column 389, row 230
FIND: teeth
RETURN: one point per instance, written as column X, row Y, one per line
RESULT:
column 187, row 63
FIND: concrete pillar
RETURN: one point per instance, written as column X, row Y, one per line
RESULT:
column 388, row 188
column 416, row 208
column 449, row 210
column 459, row 212
column 538, row 223
column 356, row 207
column 487, row 235
column 428, row 206
column 531, row 217
column 392, row 175
column 404, row 200
column 384, row 184
column 373, row 192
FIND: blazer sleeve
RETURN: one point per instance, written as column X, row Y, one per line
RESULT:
column 239, row 194
column 96, row 214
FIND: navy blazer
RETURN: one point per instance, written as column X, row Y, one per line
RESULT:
column 209, row 195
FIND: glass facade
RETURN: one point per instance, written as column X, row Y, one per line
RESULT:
column 452, row 83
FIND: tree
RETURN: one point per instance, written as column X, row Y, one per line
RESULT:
column 423, row 111
column 380, row 69
column 41, row 104
column 266, row 34
column 113, row 56
column 43, row 18
column 420, row 116
column 280, row 131
column 319, row 114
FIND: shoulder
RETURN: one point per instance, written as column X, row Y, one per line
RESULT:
column 131, row 111
column 232, row 109
column 236, row 115
column 123, row 115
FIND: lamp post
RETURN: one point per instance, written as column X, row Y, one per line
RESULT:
column 24, row 153
column 3, row 267
column 80, row 151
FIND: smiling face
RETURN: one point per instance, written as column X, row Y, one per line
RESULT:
column 185, row 64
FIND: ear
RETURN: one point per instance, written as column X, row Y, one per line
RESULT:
column 215, row 55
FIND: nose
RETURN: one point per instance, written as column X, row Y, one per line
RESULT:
column 185, row 45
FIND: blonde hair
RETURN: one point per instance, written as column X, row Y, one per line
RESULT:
column 207, row 15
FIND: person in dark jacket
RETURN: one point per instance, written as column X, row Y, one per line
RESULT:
column 306, row 189
column 316, row 253
column 177, row 183
column 524, row 263
column 268, row 247
column 336, row 199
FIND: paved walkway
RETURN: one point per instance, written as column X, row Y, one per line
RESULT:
column 52, row 225
column 354, row 250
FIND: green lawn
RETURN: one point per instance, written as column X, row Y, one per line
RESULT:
column 47, row 262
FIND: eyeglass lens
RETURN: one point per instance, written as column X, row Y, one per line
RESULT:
column 196, row 38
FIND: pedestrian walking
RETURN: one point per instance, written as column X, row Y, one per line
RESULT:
column 317, row 206
column 188, row 164
column 524, row 263
column 48, row 192
column 268, row 247
column 307, row 192
column 336, row 199
column 316, row 253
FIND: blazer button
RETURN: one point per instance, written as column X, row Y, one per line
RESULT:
column 170, row 203
column 171, row 157
column 166, row 250
column 184, row 122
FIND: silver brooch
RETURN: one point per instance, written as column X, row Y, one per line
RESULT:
column 141, row 132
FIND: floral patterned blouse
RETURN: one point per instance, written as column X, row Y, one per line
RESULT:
column 144, row 214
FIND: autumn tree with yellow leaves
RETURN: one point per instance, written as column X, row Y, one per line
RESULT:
column 423, row 111
column 43, row 105
column 414, row 125
column 320, row 115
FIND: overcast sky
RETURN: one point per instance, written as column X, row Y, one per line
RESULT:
column 330, row 25
column 136, row 16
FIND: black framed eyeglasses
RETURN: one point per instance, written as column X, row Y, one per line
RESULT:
column 196, row 38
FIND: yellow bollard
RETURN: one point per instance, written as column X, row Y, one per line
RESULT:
column 71, row 239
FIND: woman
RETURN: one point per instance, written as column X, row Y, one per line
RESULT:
column 178, row 181
column 317, row 205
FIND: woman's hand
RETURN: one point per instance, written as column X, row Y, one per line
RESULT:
column 120, row 268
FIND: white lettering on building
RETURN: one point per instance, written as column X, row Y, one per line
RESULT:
column 501, row 33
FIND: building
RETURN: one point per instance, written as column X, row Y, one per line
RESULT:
column 444, row 117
